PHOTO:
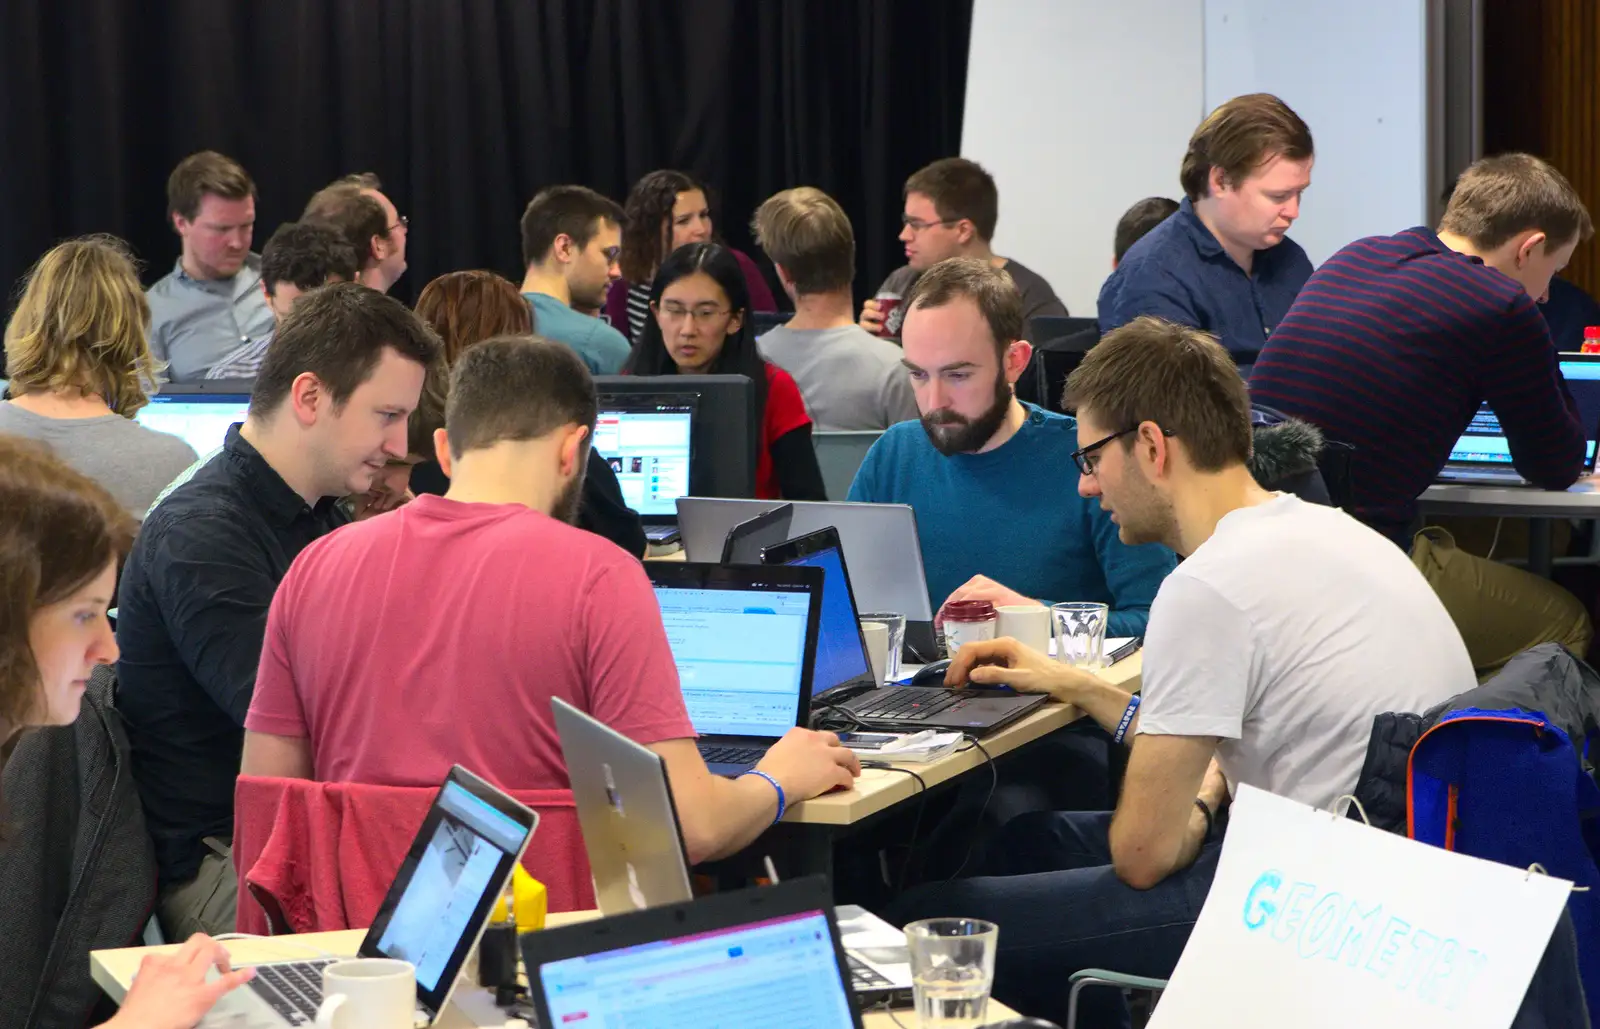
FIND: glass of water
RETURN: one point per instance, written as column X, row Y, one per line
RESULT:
column 897, row 640
column 1080, row 633
column 952, row 969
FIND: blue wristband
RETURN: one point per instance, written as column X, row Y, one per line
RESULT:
column 1127, row 719
column 783, row 802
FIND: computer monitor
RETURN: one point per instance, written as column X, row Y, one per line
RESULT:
column 648, row 442
column 198, row 415
column 725, row 428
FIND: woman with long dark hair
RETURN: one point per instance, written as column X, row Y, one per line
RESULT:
column 700, row 325
column 62, row 536
column 666, row 210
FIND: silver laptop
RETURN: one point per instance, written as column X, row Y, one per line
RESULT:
column 1482, row 456
column 636, row 854
column 458, row 865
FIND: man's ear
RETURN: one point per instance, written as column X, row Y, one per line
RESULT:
column 574, row 450
column 784, row 278
column 441, row 451
column 308, row 398
column 1216, row 181
column 1018, row 354
column 1156, row 446
column 1528, row 247
column 563, row 248
column 965, row 231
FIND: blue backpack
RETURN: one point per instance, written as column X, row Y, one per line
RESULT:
column 1508, row 786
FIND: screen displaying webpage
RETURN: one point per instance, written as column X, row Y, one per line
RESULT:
column 649, row 451
column 740, row 655
column 202, row 421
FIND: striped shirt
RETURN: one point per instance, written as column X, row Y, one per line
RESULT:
column 244, row 362
column 638, row 310
column 1391, row 347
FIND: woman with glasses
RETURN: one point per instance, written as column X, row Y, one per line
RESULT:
column 666, row 210
column 700, row 325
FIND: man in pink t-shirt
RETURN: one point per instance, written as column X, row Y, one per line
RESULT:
column 436, row 635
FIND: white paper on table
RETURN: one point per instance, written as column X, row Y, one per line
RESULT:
column 1316, row 920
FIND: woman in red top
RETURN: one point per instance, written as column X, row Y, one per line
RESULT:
column 699, row 325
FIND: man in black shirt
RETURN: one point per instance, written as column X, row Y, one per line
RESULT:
column 328, row 412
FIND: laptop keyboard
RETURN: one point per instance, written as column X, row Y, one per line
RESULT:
column 911, row 703
column 863, row 978
column 293, row 990
column 719, row 754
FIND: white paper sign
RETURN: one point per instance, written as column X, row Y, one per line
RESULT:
column 1315, row 920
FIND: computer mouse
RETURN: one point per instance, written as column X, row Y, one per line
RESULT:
column 931, row 674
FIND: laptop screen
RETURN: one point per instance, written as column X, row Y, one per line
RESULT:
column 740, row 652
column 199, row 419
column 779, row 971
column 431, row 912
column 841, row 656
column 1485, row 443
column 647, row 445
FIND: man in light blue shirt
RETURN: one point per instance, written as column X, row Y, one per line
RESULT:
column 211, row 302
column 571, row 237
column 991, row 479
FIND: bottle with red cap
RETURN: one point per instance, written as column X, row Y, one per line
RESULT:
column 1591, row 339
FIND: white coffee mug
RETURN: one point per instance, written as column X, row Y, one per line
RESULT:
column 1025, row 623
column 876, row 635
column 368, row 993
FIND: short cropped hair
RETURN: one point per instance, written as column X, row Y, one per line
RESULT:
column 339, row 333
column 1239, row 137
column 516, row 388
column 1177, row 376
column 959, row 188
column 574, row 211
column 989, row 287
column 808, row 233
column 83, row 322
column 306, row 255
column 206, row 172
column 1498, row 197
column 1138, row 220
column 347, row 210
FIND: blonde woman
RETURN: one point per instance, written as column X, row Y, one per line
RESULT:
column 78, row 353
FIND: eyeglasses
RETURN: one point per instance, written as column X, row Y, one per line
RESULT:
column 403, row 223
column 1087, row 459
column 917, row 225
column 701, row 313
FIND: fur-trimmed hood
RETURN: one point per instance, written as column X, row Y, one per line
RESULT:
column 1284, row 447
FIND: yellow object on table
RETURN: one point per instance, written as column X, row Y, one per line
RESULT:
column 530, row 902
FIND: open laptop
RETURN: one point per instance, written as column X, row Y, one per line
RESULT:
column 1482, row 456
column 748, row 539
column 199, row 416
column 761, row 957
column 636, row 852
column 434, row 913
column 744, row 638
column 842, row 662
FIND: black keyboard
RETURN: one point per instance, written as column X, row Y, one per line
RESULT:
column 907, row 703
column 293, row 990
column 863, row 978
column 718, row 754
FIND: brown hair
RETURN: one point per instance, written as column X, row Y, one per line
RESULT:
column 1498, row 197
column 1239, row 137
column 338, row 333
column 517, row 388
column 573, row 211
column 207, row 172
column 468, row 307
column 808, row 233
column 58, row 530
column 959, row 189
column 83, row 323
column 647, row 221
column 987, row 286
column 1179, row 377
column 344, row 208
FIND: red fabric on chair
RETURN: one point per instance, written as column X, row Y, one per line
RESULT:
column 324, row 853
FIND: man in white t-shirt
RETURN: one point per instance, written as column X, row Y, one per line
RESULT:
column 1270, row 649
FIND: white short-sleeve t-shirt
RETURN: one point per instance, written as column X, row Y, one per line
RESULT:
column 1284, row 634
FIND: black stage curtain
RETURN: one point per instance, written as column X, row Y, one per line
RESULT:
column 465, row 108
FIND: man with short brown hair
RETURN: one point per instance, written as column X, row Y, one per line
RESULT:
column 357, row 207
column 211, row 302
column 951, row 208
column 849, row 378
column 1222, row 262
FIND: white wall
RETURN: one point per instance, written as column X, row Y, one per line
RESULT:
column 1081, row 107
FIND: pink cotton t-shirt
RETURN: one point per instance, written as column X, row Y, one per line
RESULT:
column 436, row 635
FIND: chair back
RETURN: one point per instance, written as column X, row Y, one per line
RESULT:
column 839, row 455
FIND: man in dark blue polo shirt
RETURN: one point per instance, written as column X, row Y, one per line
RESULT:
column 1223, row 262
column 329, row 411
column 1397, row 340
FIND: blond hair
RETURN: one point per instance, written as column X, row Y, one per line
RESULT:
column 83, row 323
column 808, row 233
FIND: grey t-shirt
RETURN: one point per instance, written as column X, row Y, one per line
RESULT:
column 133, row 462
column 1038, row 299
column 849, row 378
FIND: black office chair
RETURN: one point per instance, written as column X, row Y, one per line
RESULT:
column 1054, row 358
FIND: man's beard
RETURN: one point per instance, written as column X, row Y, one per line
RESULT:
column 566, row 506
column 952, row 433
column 1143, row 514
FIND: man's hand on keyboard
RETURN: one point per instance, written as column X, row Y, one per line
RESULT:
column 991, row 662
column 171, row 990
column 810, row 763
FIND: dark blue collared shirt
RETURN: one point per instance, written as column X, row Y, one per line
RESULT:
column 1179, row 272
